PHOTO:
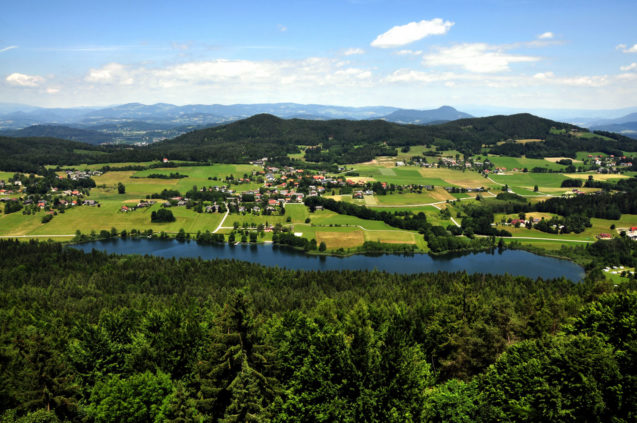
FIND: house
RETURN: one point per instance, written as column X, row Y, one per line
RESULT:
column 400, row 163
column 165, row 160
column 124, row 209
column 604, row 236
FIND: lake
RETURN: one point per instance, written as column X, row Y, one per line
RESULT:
column 514, row 262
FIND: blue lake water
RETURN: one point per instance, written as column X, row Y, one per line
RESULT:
column 514, row 262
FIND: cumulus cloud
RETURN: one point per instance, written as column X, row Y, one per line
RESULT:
column 476, row 57
column 22, row 80
column 632, row 66
column 410, row 75
column 2, row 50
column 575, row 81
column 544, row 75
column 626, row 49
column 312, row 71
column 546, row 36
column 405, row 34
column 112, row 73
column 353, row 51
column 52, row 90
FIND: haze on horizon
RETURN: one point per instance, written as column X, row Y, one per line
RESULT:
column 514, row 54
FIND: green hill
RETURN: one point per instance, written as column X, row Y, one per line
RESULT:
column 332, row 141
column 63, row 132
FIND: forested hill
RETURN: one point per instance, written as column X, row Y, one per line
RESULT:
column 268, row 128
column 62, row 132
column 331, row 141
column 346, row 141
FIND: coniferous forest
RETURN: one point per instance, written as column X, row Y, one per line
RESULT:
column 98, row 338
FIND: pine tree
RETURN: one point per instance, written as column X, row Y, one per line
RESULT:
column 234, row 373
column 45, row 379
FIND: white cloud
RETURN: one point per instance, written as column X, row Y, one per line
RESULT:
column 544, row 75
column 282, row 28
column 2, row 50
column 626, row 49
column 546, row 36
column 223, row 73
column 632, row 66
column 112, row 73
column 409, row 76
column 22, row 80
column 413, row 31
column 476, row 57
column 52, row 90
column 409, row 52
column 353, row 51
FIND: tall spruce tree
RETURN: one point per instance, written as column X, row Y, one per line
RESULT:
column 234, row 372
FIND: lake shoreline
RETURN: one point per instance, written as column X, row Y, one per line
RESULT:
column 494, row 261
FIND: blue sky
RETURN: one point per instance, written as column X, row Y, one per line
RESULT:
column 417, row 54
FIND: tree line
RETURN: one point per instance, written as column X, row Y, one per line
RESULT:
column 99, row 338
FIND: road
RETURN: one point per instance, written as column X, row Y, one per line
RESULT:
column 222, row 220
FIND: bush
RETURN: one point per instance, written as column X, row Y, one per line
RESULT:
column 162, row 215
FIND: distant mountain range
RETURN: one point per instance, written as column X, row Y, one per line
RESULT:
column 625, row 125
column 141, row 123
column 16, row 116
column 426, row 117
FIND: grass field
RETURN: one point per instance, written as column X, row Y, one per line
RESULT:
column 334, row 240
column 337, row 231
column 87, row 219
column 522, row 162
column 528, row 180
column 598, row 226
column 6, row 175
column 407, row 175
column 406, row 199
column 596, row 176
